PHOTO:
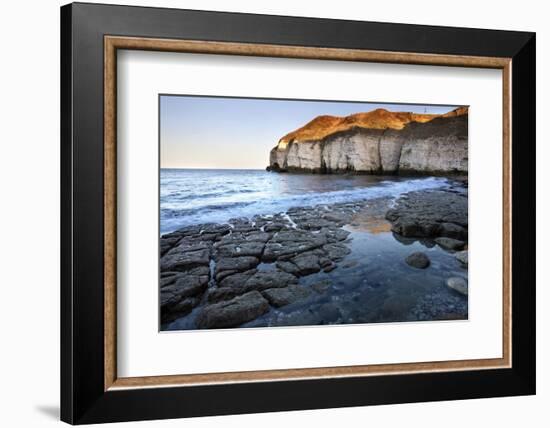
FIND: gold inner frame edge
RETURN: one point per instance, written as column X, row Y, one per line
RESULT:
column 113, row 43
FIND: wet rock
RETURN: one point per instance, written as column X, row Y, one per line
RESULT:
column 184, row 286
column 350, row 264
column 270, row 279
column 234, row 312
column 330, row 267
column 247, row 228
column 167, row 278
column 166, row 243
column 166, row 274
column 307, row 263
column 223, row 293
column 451, row 230
column 176, row 260
column 462, row 257
column 179, row 309
column 284, row 296
column 193, row 230
column 427, row 242
column 312, row 223
column 185, row 306
column 430, row 214
column 207, row 232
column 321, row 286
column 241, row 283
column 291, row 242
column 300, row 317
column 336, row 252
column 236, row 278
column 458, row 284
column 192, row 244
column 199, row 270
column 210, row 237
column 240, row 237
column 239, row 220
column 328, row 312
column 288, row 267
column 184, row 293
column 215, row 229
column 276, row 227
column 338, row 217
column 403, row 239
column 335, row 234
column 228, row 266
column 324, row 261
column 409, row 228
column 242, row 225
column 418, row 260
column 450, row 243
column 240, row 249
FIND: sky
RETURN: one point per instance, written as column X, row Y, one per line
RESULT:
column 238, row 133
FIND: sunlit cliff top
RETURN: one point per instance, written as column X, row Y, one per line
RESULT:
column 323, row 126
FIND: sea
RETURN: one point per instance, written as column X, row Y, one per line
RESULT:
column 194, row 196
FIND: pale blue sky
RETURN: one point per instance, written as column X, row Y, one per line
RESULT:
column 218, row 132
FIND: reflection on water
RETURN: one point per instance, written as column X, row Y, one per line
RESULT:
column 362, row 221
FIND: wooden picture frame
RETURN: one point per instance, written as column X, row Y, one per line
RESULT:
column 91, row 390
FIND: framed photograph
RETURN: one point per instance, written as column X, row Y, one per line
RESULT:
column 266, row 213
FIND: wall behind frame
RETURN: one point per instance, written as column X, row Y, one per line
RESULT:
column 29, row 220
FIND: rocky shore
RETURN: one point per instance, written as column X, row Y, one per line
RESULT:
column 303, row 266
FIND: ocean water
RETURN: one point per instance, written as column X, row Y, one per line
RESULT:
column 193, row 196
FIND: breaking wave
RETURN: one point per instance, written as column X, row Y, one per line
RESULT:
column 200, row 196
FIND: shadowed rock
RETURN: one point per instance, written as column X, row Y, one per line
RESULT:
column 418, row 260
column 451, row 230
column 462, row 257
column 284, row 296
column 176, row 260
column 336, row 252
column 271, row 279
column 307, row 263
column 449, row 243
column 241, row 283
column 458, row 284
column 335, row 234
column 187, row 285
column 234, row 312
column 288, row 267
column 429, row 214
column 241, row 237
column 254, row 280
column 240, row 249
column 229, row 266
column 166, row 243
column 291, row 242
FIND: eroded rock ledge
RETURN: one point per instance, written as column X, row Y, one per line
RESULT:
column 438, row 214
column 233, row 272
column 227, row 275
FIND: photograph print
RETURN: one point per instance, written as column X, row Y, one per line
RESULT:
column 283, row 212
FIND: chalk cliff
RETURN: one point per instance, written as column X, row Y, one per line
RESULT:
column 377, row 142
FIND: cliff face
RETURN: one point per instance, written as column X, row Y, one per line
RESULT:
column 377, row 142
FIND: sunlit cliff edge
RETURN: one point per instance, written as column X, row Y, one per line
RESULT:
column 377, row 142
